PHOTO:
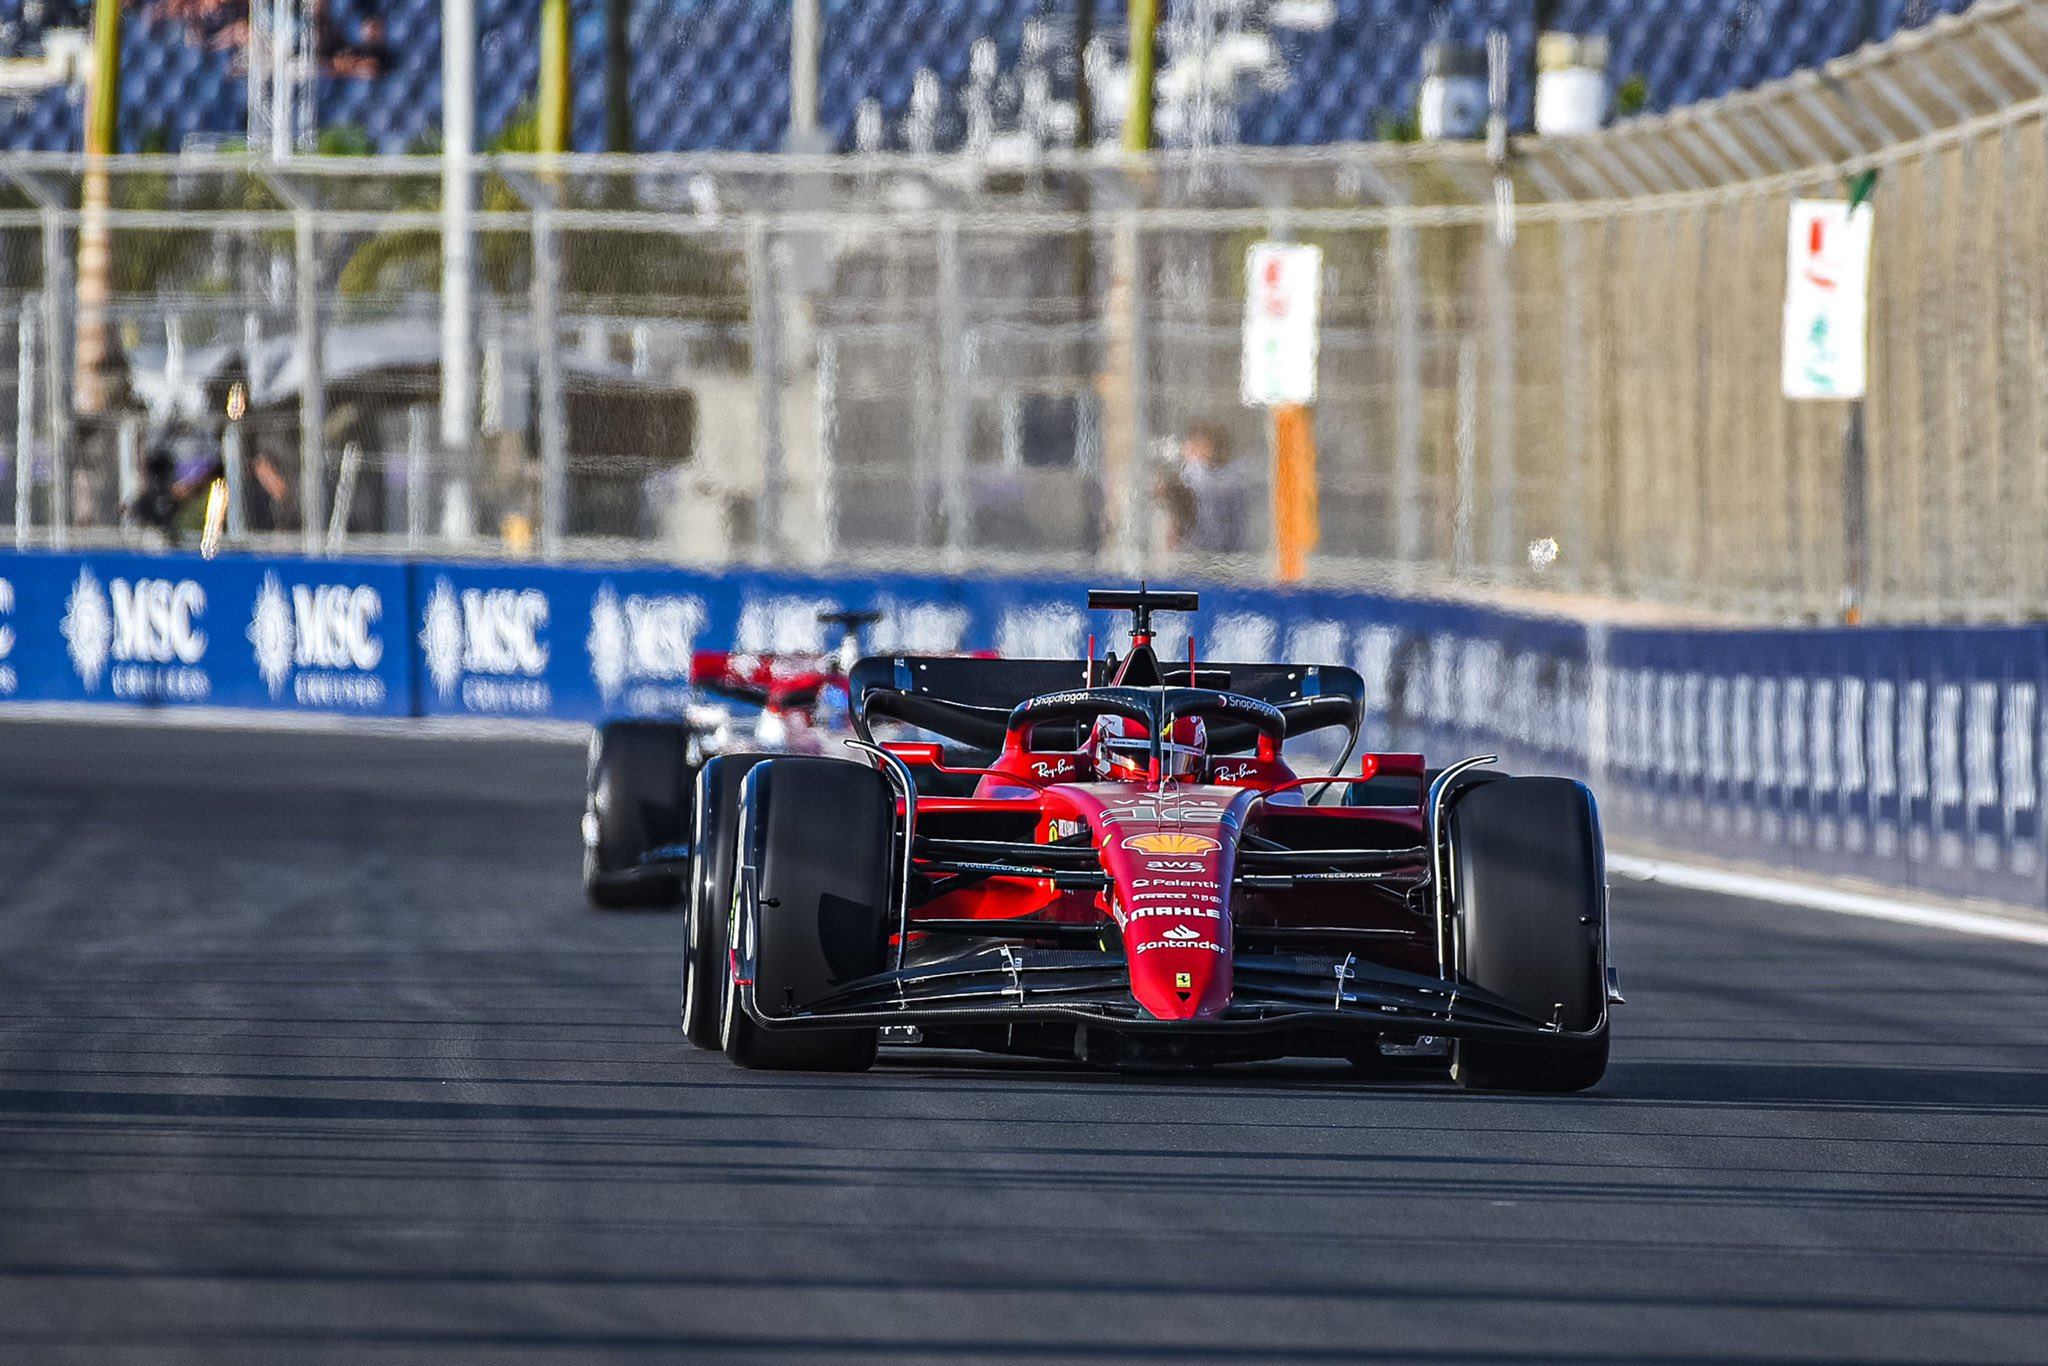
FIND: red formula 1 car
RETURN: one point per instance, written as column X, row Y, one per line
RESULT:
column 641, row 792
column 1130, row 873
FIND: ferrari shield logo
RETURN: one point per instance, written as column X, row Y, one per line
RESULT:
column 1183, row 981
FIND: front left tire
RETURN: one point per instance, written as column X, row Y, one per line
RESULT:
column 714, row 853
column 811, row 907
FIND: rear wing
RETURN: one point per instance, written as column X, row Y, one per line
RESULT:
column 969, row 701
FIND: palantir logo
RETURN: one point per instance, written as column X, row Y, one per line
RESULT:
column 88, row 628
column 641, row 639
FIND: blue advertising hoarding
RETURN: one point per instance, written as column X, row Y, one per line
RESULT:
column 1912, row 755
column 304, row 635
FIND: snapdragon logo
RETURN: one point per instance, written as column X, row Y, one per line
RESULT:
column 149, row 629
column 488, row 645
column 8, row 680
column 322, row 640
column 641, row 646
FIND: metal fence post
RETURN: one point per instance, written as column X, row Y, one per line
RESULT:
column 1572, row 289
column 826, row 380
column 56, row 374
column 1407, row 299
column 24, row 421
column 415, row 476
column 551, row 419
column 1467, row 440
column 233, row 468
column 763, row 305
column 312, row 386
column 1500, row 328
column 953, row 396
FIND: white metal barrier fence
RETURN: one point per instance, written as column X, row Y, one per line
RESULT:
column 1554, row 370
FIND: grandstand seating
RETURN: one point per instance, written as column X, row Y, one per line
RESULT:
column 713, row 74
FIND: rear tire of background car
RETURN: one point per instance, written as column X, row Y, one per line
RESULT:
column 1528, row 883
column 815, row 837
column 640, row 785
column 714, row 849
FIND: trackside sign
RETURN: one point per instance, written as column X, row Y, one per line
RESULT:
column 1827, row 300
column 1283, row 285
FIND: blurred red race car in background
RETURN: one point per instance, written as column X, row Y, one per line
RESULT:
column 643, row 774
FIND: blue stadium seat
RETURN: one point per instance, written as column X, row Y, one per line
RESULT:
column 712, row 74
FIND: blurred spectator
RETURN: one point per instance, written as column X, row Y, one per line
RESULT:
column 156, row 505
column 223, row 26
column 267, row 503
column 362, row 58
column 1206, row 495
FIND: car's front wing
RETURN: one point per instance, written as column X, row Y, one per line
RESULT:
column 1272, row 992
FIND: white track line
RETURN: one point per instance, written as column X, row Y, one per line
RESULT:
column 1784, row 891
column 236, row 719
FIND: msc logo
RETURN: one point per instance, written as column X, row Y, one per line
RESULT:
column 140, row 623
column 7, row 676
column 328, row 626
column 641, row 638
column 1171, row 842
column 154, row 621
column 485, row 631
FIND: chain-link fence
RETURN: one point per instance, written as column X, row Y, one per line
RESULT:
column 1553, row 369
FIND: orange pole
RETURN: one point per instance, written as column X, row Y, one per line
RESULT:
column 1297, row 517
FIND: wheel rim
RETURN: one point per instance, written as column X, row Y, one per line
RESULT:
column 691, row 1006
column 729, row 992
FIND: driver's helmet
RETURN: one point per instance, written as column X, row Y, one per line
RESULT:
column 1122, row 748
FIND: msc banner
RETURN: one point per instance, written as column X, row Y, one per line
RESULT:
column 1908, row 755
column 303, row 635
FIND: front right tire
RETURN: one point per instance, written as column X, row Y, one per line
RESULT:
column 1529, row 892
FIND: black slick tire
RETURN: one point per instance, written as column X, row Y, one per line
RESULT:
column 714, row 851
column 639, row 794
column 1528, row 886
column 813, row 897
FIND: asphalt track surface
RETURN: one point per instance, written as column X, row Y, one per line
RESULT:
column 309, row 1051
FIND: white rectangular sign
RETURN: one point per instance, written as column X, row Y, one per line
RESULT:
column 1283, row 288
column 1827, row 300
